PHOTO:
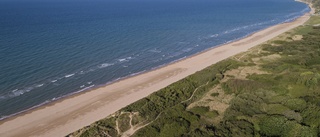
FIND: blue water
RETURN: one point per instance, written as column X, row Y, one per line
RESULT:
column 50, row 49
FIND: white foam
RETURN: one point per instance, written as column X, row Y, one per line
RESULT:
column 215, row 35
column 212, row 36
column 125, row 59
column 247, row 26
column 187, row 50
column 86, row 88
column 297, row 13
column 69, row 75
column 91, row 70
column 18, row 92
column 104, row 65
column 89, row 82
column 40, row 85
column 82, row 86
column 54, row 81
column 121, row 60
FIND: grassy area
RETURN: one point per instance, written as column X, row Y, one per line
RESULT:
column 272, row 90
column 316, row 4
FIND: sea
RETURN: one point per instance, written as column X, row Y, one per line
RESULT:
column 51, row 49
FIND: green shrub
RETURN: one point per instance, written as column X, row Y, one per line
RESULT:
column 147, row 132
column 236, row 128
column 200, row 110
column 311, row 116
column 124, row 122
column 174, row 129
column 276, row 109
column 272, row 125
column 296, row 104
column 238, row 86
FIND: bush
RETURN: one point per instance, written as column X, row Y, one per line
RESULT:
column 236, row 128
column 296, row 104
column 272, row 125
column 215, row 94
column 238, row 86
column 200, row 110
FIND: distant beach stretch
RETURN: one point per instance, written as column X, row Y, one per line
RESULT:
column 64, row 116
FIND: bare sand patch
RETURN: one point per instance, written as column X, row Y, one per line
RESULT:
column 297, row 37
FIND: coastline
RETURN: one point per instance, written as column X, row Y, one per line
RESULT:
column 66, row 115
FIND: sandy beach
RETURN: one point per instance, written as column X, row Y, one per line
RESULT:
column 72, row 113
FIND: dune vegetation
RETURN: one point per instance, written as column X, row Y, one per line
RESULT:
column 271, row 90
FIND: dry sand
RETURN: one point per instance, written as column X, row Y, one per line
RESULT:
column 68, row 115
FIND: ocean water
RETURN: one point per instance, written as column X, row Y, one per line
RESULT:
column 52, row 49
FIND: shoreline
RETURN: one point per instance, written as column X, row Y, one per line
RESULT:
column 94, row 87
column 63, row 116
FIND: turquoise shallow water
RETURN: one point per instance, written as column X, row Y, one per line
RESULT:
column 51, row 49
